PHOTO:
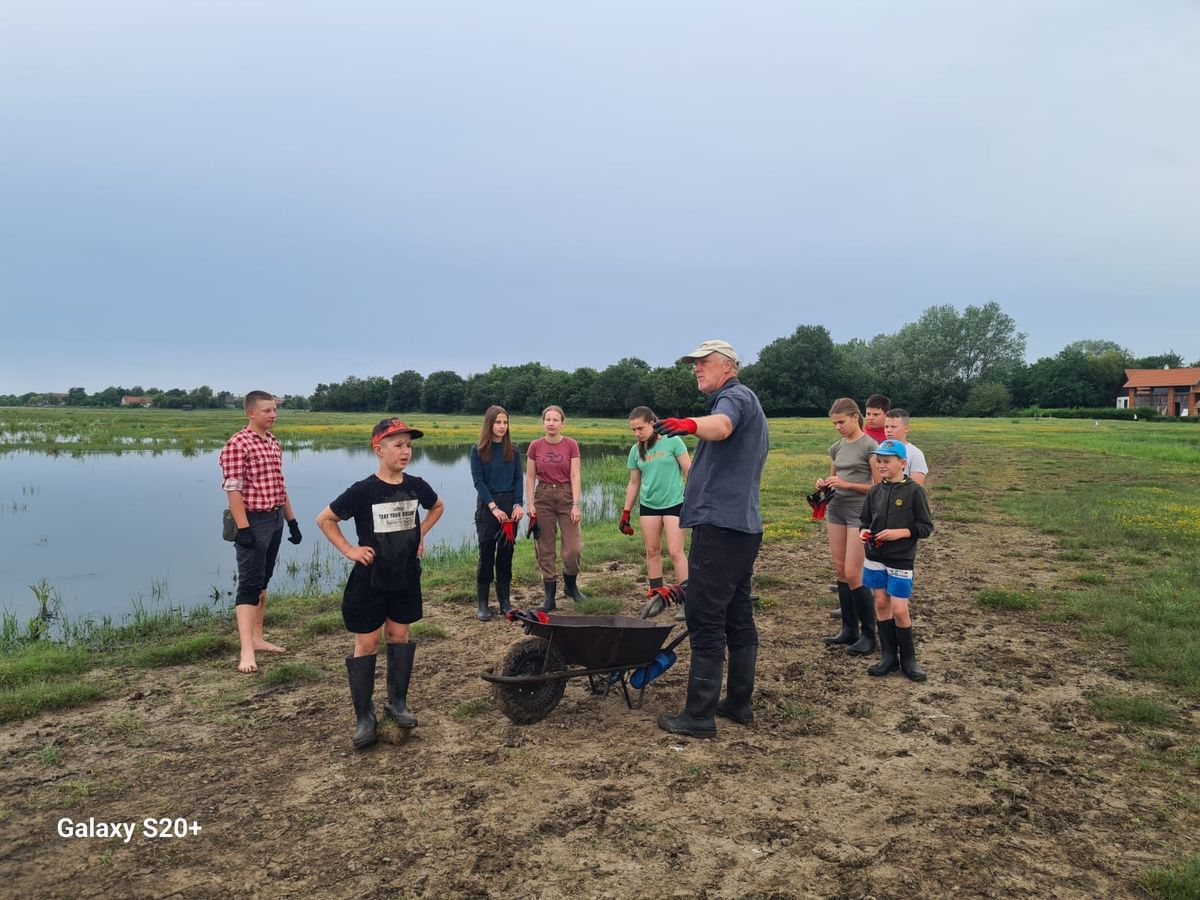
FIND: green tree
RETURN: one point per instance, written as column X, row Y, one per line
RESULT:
column 405, row 393
column 443, row 392
column 801, row 373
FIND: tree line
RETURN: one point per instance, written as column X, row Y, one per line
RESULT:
column 946, row 363
column 969, row 363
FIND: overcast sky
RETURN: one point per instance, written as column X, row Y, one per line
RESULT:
column 274, row 194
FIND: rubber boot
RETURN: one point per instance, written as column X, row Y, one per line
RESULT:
column 482, row 591
column 888, row 661
column 849, row 632
column 908, row 655
column 571, row 589
column 739, row 685
column 703, row 692
column 864, row 609
column 502, row 588
column 551, row 588
column 400, row 665
column 361, row 670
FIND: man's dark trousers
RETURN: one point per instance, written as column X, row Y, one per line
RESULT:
column 720, row 565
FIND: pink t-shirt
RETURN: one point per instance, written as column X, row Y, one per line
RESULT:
column 552, row 462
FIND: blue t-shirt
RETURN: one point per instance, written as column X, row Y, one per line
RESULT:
column 722, row 487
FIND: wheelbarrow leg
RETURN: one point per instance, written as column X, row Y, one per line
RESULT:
column 704, row 690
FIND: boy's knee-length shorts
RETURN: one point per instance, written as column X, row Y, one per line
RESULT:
column 897, row 582
column 365, row 605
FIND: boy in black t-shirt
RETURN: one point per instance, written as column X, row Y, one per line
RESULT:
column 384, row 587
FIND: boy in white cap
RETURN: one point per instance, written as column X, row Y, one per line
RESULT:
column 895, row 515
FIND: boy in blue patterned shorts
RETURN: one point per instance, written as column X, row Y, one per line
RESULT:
column 895, row 515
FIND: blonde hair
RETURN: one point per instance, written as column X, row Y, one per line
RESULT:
column 845, row 406
column 553, row 408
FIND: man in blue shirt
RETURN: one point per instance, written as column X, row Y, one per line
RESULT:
column 720, row 505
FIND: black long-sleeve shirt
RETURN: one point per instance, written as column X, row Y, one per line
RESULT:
column 896, row 504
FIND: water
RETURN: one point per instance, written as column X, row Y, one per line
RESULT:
column 107, row 530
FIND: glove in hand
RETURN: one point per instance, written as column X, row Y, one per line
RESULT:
column 625, row 527
column 675, row 427
column 533, row 529
column 293, row 531
column 245, row 539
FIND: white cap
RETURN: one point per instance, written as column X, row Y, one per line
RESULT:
column 722, row 347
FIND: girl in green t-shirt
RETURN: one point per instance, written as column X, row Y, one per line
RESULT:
column 657, row 469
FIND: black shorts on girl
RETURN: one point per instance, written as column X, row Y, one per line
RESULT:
column 644, row 510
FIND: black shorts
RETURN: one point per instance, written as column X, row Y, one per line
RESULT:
column 644, row 510
column 364, row 608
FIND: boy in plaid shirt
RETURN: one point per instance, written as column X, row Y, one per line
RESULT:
column 252, row 478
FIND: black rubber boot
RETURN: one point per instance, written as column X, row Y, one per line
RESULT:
column 704, row 689
column 864, row 609
column 400, row 665
column 888, row 661
column 849, row 632
column 361, row 670
column 551, row 588
column 482, row 592
column 908, row 655
column 502, row 595
column 739, row 685
column 571, row 589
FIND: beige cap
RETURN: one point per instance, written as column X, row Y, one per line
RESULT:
column 722, row 347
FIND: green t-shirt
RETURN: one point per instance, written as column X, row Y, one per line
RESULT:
column 662, row 479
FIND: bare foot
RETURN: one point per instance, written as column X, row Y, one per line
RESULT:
column 263, row 644
column 247, row 665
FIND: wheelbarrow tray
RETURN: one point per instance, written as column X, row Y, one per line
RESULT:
column 602, row 642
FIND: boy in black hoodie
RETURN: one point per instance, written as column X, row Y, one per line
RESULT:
column 894, row 516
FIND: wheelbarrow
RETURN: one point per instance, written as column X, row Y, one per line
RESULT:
column 608, row 650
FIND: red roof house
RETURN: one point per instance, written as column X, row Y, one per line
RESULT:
column 1173, row 392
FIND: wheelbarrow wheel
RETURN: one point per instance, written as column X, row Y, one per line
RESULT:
column 529, row 703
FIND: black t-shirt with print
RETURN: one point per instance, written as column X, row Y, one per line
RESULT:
column 386, row 519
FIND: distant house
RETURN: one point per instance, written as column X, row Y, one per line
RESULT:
column 144, row 402
column 1173, row 392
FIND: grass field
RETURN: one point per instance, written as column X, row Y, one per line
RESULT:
column 1120, row 501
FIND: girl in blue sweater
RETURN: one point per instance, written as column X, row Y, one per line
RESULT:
column 499, row 486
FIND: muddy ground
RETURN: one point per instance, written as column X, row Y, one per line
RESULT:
column 995, row 778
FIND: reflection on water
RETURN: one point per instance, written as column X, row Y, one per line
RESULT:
column 109, row 529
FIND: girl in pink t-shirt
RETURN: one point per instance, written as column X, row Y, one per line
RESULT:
column 553, row 490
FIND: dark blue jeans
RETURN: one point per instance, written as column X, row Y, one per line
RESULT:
column 256, row 566
column 720, row 565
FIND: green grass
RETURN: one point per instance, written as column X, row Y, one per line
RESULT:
column 32, row 699
column 42, row 661
column 427, row 631
column 469, row 708
column 323, row 623
column 999, row 598
column 1178, row 882
column 292, row 673
column 1132, row 710
column 185, row 652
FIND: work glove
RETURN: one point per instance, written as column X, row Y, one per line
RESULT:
column 245, row 539
column 818, row 500
column 507, row 535
column 533, row 529
column 869, row 539
column 675, row 427
column 625, row 527
column 293, row 531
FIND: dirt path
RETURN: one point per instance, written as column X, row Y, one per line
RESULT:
column 993, row 779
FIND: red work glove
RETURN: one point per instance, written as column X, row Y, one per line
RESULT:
column 508, row 533
column 625, row 527
column 675, row 427
column 533, row 529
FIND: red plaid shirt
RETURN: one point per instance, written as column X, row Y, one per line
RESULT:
column 253, row 464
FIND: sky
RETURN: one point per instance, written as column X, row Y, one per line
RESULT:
column 276, row 193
